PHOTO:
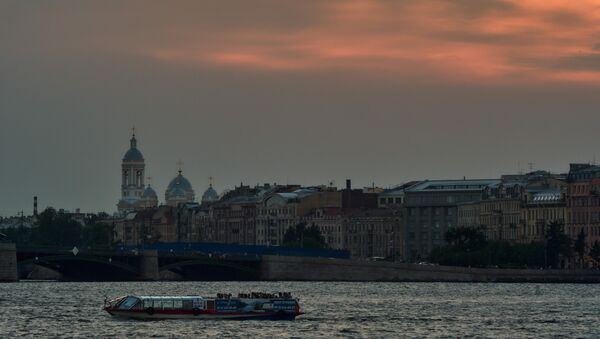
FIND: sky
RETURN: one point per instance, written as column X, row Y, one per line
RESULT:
column 300, row 92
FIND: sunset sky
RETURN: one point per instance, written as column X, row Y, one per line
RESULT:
column 290, row 91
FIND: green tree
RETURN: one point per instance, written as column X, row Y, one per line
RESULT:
column 302, row 236
column 558, row 244
column 97, row 235
column 466, row 238
column 595, row 251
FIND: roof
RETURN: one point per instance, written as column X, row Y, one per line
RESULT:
column 133, row 154
column 453, row 185
column 210, row 194
column 149, row 193
column 181, row 182
column 549, row 196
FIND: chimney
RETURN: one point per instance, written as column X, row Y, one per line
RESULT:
column 348, row 184
column 35, row 211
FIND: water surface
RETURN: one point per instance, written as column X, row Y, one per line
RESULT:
column 62, row 309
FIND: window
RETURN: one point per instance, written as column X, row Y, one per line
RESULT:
column 167, row 304
column 177, row 304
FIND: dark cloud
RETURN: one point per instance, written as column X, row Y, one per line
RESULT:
column 583, row 62
column 477, row 8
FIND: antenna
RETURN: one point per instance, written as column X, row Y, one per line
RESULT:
column 530, row 164
column 133, row 130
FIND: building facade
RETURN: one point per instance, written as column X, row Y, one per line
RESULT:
column 583, row 202
column 431, row 208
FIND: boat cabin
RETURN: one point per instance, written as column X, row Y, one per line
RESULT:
column 165, row 303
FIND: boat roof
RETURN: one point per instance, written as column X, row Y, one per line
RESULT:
column 167, row 297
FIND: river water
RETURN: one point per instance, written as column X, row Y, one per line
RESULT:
column 63, row 309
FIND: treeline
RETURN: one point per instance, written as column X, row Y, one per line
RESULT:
column 304, row 236
column 468, row 247
column 58, row 229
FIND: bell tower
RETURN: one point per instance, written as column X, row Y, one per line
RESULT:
column 132, row 177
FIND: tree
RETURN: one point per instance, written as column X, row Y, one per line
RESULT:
column 465, row 238
column 579, row 245
column 558, row 244
column 305, row 237
column 595, row 251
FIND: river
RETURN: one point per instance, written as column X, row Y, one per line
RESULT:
column 64, row 309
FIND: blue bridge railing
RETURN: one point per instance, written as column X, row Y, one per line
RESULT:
column 181, row 248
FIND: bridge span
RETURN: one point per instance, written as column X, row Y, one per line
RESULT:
column 98, row 265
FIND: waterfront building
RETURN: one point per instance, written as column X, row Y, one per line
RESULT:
column 233, row 217
column 500, row 209
column 583, row 202
column 366, row 233
column 282, row 209
column 468, row 214
column 394, row 197
column 373, row 233
column 132, row 178
column 147, row 226
column 541, row 208
column 430, row 209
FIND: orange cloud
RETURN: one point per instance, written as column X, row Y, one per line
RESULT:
column 497, row 41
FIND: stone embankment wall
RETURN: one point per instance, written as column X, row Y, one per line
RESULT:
column 321, row 269
column 8, row 262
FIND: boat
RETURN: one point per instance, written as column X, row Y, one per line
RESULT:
column 251, row 306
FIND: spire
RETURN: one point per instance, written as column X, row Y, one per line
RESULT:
column 133, row 141
column 179, row 166
column 210, row 181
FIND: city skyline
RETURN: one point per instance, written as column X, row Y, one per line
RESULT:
column 281, row 92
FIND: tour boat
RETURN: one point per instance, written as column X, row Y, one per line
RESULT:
column 254, row 306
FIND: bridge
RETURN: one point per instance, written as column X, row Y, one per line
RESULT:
column 160, row 261
column 119, row 265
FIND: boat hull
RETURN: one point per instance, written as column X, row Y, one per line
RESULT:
column 143, row 315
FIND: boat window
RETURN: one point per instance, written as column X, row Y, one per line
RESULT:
column 157, row 304
column 167, row 304
column 128, row 303
column 210, row 304
column 177, row 304
column 187, row 304
column 148, row 303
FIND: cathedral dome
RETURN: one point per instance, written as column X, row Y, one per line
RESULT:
column 149, row 193
column 179, row 182
column 179, row 191
column 133, row 154
column 210, row 194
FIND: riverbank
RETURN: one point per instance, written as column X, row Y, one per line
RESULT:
column 275, row 268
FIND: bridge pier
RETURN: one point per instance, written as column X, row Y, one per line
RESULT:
column 149, row 265
column 8, row 262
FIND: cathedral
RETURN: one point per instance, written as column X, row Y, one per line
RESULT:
column 137, row 195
